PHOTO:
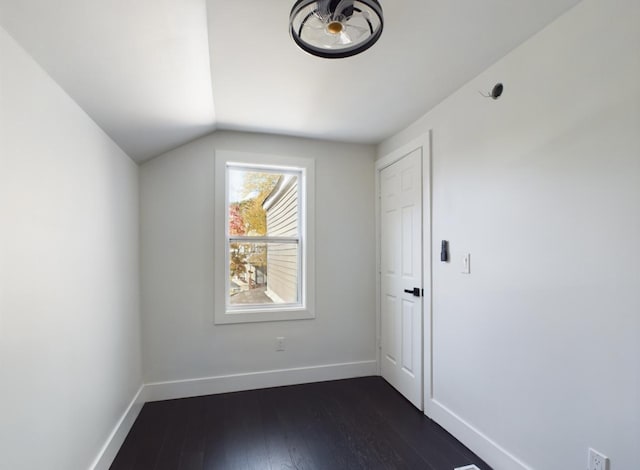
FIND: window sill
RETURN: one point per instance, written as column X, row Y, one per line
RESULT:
column 263, row 315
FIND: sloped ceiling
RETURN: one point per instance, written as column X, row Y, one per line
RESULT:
column 155, row 74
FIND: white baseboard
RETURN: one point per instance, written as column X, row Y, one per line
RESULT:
column 273, row 378
column 110, row 449
column 485, row 448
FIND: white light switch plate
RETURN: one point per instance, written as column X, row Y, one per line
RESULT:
column 467, row 467
column 466, row 264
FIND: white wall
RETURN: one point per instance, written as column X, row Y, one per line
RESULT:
column 180, row 339
column 539, row 348
column 69, row 278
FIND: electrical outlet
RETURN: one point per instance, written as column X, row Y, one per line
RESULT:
column 597, row 461
column 280, row 343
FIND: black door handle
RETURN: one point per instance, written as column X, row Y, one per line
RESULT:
column 415, row 291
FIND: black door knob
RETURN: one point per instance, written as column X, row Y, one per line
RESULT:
column 415, row 291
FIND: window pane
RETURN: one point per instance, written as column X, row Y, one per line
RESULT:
column 263, row 273
column 262, row 203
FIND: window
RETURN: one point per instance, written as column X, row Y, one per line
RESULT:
column 264, row 242
column 263, row 237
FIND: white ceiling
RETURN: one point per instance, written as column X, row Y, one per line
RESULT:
column 149, row 71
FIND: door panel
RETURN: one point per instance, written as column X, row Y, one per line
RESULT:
column 407, row 242
column 389, row 347
column 408, row 312
column 400, row 270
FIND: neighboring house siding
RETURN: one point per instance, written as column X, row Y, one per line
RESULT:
column 282, row 259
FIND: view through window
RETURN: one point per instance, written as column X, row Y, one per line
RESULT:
column 263, row 237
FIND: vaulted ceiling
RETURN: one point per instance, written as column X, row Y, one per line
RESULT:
column 155, row 74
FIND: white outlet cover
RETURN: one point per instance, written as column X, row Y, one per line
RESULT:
column 597, row 461
column 467, row 467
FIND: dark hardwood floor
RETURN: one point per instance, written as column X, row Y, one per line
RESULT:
column 346, row 424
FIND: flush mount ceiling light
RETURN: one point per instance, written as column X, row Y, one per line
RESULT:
column 335, row 28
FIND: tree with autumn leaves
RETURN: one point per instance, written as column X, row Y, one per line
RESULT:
column 248, row 217
column 236, row 227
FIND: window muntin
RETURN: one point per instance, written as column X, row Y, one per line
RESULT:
column 263, row 238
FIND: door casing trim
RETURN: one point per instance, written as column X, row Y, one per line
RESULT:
column 425, row 143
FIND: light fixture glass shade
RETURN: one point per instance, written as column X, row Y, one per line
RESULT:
column 335, row 28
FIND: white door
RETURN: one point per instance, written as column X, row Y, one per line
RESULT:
column 401, row 275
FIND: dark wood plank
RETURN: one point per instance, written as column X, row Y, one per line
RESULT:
column 174, row 435
column 347, row 424
column 366, row 435
column 143, row 443
column 287, row 445
column 245, row 445
column 434, row 444
column 214, row 416
column 192, row 451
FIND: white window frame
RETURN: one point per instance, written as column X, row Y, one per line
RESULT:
column 305, row 308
